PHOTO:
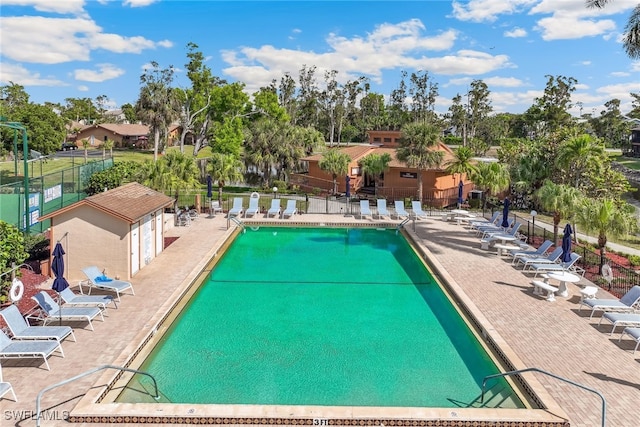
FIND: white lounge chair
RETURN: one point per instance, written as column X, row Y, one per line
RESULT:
column 5, row 388
column 549, row 267
column 236, row 209
column 32, row 349
column 73, row 299
column 21, row 330
column 52, row 311
column 254, row 207
column 544, row 247
column 365, row 210
column 551, row 258
column 274, row 210
column 291, row 209
column 417, row 211
column 215, row 207
column 477, row 222
column 633, row 333
column 627, row 303
column 401, row 212
column 95, row 279
column 382, row 208
column 621, row 319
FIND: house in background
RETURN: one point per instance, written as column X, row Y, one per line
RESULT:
column 120, row 230
column 439, row 188
column 123, row 135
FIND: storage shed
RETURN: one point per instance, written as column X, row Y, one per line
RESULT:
column 120, row 230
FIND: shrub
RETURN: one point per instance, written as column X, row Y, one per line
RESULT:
column 282, row 186
column 634, row 260
column 112, row 177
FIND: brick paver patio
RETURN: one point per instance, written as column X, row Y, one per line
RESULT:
column 552, row 336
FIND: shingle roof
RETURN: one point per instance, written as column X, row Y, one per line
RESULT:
column 129, row 202
column 122, row 129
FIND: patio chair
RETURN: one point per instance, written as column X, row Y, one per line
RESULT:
column 552, row 266
column 621, row 319
column 478, row 222
column 21, row 330
column 633, row 333
column 544, row 247
column 253, row 208
column 73, row 299
column 401, row 212
column 491, row 238
column 485, row 231
column 32, row 349
column 417, row 211
column 215, row 207
column 96, row 279
column 236, row 209
column 52, row 311
column 274, row 210
column 364, row 209
column 291, row 209
column 382, row 208
column 5, row 388
column 627, row 303
column 551, row 258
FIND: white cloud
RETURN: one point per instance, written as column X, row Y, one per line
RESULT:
column 635, row 66
column 388, row 47
column 487, row 10
column 503, row 82
column 104, row 72
column 19, row 75
column 83, row 88
column 516, row 33
column 571, row 27
column 587, row 62
column 61, row 40
column 56, row 6
column 620, row 74
column 138, row 3
column 581, row 86
column 504, row 102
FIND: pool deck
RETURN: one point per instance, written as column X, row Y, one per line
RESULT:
column 551, row 336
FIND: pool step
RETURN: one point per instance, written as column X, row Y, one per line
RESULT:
column 498, row 396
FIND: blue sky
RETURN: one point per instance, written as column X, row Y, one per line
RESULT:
column 62, row 49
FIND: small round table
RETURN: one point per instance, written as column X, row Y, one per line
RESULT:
column 502, row 247
column 563, row 277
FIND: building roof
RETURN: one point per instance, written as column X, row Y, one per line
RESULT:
column 121, row 128
column 357, row 152
column 129, row 202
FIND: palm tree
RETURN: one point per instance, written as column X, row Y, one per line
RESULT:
column 157, row 104
column 561, row 200
column 107, row 145
column 492, row 178
column 375, row 164
column 418, row 149
column 576, row 155
column 462, row 162
column 631, row 37
column 225, row 168
column 85, row 145
column 336, row 163
column 605, row 217
column 171, row 173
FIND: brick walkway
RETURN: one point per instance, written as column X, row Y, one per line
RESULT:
column 549, row 336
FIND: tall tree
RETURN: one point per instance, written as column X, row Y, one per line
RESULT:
column 576, row 155
column 560, row 200
column 224, row 169
column 336, row 163
column 462, row 162
column 397, row 107
column 375, row 165
column 157, row 104
column 418, row 149
column 550, row 112
column 490, row 177
column 423, row 93
column 631, row 34
column 479, row 107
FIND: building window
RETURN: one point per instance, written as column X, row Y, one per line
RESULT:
column 355, row 171
column 376, row 139
column 387, row 140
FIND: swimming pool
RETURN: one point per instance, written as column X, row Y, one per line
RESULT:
column 321, row 316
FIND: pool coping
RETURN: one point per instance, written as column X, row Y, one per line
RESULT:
column 91, row 408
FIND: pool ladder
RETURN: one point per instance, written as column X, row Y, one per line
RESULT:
column 239, row 223
column 404, row 221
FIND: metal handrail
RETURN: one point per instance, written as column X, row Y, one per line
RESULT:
column 237, row 221
column 404, row 221
column 504, row 374
column 84, row 374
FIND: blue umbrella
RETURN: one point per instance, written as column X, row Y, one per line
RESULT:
column 347, row 180
column 209, row 186
column 566, row 244
column 57, row 266
column 460, row 188
column 505, row 213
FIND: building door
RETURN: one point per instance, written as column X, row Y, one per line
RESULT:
column 159, row 238
column 135, row 248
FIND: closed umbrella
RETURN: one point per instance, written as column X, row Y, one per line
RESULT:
column 57, row 266
column 566, row 243
column 347, row 180
column 505, row 213
column 209, row 193
column 460, row 188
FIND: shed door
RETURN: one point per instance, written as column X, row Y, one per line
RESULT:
column 159, row 238
column 135, row 248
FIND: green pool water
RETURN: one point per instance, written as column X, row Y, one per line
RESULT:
column 335, row 317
